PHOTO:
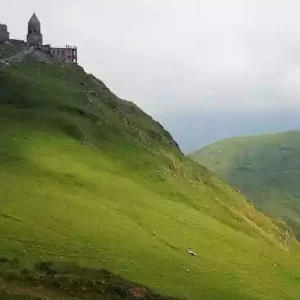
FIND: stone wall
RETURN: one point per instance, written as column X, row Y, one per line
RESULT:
column 34, row 39
column 18, row 42
column 67, row 54
column 46, row 48
column 4, row 34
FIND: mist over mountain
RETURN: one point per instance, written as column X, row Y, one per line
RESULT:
column 197, row 129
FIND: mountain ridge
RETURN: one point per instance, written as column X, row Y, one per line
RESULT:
column 264, row 167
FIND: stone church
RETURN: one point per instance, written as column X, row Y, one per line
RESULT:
column 67, row 54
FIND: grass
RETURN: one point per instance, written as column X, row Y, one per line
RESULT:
column 265, row 168
column 89, row 178
column 8, row 50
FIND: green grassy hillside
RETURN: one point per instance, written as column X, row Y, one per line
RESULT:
column 265, row 168
column 88, row 178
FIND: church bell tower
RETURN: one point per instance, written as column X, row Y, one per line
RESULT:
column 34, row 35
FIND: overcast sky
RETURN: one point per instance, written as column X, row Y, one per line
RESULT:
column 176, row 57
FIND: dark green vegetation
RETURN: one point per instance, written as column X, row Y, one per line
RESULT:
column 89, row 178
column 50, row 280
column 7, row 51
column 265, row 168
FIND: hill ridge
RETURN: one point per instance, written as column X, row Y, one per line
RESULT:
column 264, row 167
column 91, row 178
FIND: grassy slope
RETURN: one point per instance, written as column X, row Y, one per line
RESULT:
column 89, row 178
column 8, row 51
column 265, row 168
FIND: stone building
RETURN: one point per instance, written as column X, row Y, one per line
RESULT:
column 4, row 34
column 66, row 54
column 34, row 35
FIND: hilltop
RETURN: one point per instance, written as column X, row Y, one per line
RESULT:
column 265, row 168
column 89, row 178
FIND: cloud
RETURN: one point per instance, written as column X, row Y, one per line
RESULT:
column 175, row 55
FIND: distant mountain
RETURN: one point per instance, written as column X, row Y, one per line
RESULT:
column 193, row 130
column 265, row 168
